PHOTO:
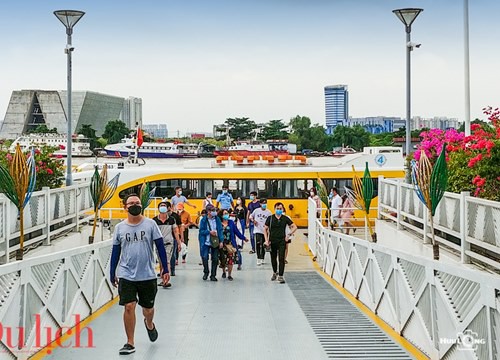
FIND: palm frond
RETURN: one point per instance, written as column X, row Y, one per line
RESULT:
column 322, row 190
column 439, row 180
column 367, row 188
column 20, row 174
column 7, row 186
column 144, row 195
column 351, row 195
column 95, row 188
column 32, row 177
column 414, row 171
column 423, row 179
column 109, row 190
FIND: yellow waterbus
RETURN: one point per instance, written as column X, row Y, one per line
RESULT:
column 285, row 179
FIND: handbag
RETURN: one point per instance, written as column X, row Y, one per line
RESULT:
column 214, row 239
column 230, row 249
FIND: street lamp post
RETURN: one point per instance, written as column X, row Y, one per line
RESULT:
column 466, row 68
column 407, row 17
column 69, row 18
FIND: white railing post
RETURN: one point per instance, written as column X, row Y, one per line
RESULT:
column 380, row 196
column 77, row 215
column 48, row 212
column 311, row 214
column 6, row 211
column 425, row 221
column 398, row 204
column 464, row 228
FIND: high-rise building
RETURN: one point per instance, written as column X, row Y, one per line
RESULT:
column 158, row 131
column 132, row 112
column 336, row 106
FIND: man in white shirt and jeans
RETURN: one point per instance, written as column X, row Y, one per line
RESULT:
column 259, row 217
column 336, row 207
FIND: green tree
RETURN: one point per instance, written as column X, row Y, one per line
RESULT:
column 89, row 132
column 356, row 137
column 274, row 130
column 241, row 128
column 115, row 131
column 102, row 142
column 43, row 129
column 475, row 121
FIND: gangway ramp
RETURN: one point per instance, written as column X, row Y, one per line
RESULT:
column 248, row 318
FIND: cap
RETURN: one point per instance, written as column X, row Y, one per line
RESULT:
column 162, row 203
column 180, row 206
column 210, row 207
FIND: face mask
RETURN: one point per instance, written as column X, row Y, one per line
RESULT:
column 279, row 212
column 180, row 192
column 225, row 216
column 263, row 206
column 252, row 197
column 135, row 210
column 213, row 213
column 238, row 202
column 163, row 209
column 224, row 191
column 209, row 198
column 312, row 193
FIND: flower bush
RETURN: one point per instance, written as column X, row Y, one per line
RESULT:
column 473, row 161
column 49, row 169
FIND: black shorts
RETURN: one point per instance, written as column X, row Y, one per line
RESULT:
column 145, row 290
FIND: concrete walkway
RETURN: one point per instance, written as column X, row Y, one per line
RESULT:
column 248, row 318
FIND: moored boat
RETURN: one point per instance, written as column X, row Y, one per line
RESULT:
column 127, row 147
column 248, row 148
column 80, row 144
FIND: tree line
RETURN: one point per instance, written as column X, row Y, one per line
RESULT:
column 298, row 130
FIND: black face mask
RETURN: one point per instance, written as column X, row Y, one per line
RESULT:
column 135, row 210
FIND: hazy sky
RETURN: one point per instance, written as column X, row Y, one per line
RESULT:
column 196, row 62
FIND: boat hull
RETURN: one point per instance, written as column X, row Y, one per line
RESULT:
column 149, row 155
column 249, row 153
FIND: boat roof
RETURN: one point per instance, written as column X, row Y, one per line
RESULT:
column 392, row 161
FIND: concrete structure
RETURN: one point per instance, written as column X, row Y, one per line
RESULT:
column 156, row 130
column 28, row 109
column 336, row 106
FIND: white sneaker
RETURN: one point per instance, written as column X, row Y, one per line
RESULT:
column 259, row 262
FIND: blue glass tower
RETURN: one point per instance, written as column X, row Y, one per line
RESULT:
column 336, row 106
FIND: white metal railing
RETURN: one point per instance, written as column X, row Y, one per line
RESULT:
column 52, row 292
column 469, row 225
column 447, row 311
column 49, row 213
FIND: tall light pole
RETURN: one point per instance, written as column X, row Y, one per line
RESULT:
column 69, row 18
column 466, row 68
column 407, row 17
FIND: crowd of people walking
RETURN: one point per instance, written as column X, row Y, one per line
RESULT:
column 221, row 237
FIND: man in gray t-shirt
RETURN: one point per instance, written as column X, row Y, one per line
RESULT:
column 134, row 256
column 137, row 255
column 178, row 198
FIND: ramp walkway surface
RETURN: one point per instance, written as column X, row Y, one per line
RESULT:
column 251, row 317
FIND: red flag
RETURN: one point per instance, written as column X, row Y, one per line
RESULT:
column 139, row 137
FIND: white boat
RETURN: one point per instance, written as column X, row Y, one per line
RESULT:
column 80, row 144
column 127, row 146
column 248, row 148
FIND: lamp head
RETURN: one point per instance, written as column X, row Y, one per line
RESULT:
column 69, row 18
column 407, row 16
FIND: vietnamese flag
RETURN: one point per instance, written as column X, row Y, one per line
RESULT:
column 139, row 137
